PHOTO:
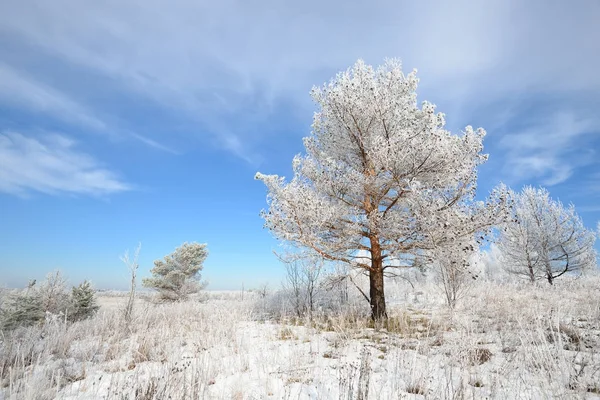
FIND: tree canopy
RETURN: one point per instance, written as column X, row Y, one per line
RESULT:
column 178, row 275
column 381, row 180
column 545, row 239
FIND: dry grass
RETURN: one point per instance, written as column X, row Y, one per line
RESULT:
column 503, row 341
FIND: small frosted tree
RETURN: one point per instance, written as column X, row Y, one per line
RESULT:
column 545, row 240
column 381, row 177
column 83, row 301
column 178, row 275
column 21, row 309
column 294, row 286
column 303, row 278
column 132, row 265
column 491, row 260
column 53, row 294
column 454, row 269
column 37, row 302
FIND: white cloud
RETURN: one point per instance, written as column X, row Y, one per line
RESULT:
column 52, row 165
column 589, row 209
column 22, row 90
column 214, row 61
column 551, row 149
column 190, row 45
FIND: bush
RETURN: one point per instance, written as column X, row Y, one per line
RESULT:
column 21, row 309
column 83, row 302
column 53, row 294
column 34, row 304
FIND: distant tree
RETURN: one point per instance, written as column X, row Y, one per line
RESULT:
column 492, row 264
column 302, row 282
column 34, row 304
column 338, row 281
column 53, row 294
column 454, row 269
column 83, row 301
column 132, row 265
column 294, row 287
column 545, row 240
column 263, row 290
column 178, row 275
column 311, row 270
column 21, row 309
column 380, row 176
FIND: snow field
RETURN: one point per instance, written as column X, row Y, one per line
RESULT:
column 503, row 341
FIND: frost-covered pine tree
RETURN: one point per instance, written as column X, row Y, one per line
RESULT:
column 33, row 305
column 545, row 240
column 381, row 176
column 83, row 301
column 178, row 274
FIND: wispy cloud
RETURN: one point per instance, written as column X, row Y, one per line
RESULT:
column 211, row 62
column 19, row 89
column 52, row 165
column 551, row 149
column 589, row 209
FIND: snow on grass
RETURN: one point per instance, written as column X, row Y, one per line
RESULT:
column 502, row 342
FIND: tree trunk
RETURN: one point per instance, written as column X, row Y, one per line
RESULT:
column 377, row 295
column 530, row 270
column 531, row 274
column 549, row 271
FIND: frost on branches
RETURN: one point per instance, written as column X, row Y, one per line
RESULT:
column 178, row 274
column 380, row 176
column 456, row 265
column 545, row 240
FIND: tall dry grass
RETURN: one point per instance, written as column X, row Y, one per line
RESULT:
column 509, row 341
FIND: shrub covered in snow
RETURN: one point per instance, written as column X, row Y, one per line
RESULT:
column 83, row 301
column 50, row 299
column 21, row 309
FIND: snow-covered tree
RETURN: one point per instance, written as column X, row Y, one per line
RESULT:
column 303, row 279
column 53, row 294
column 381, row 175
column 456, row 266
column 83, row 301
column 133, row 265
column 178, row 274
column 50, row 299
column 492, row 269
column 545, row 240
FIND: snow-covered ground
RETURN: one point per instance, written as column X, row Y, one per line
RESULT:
column 502, row 342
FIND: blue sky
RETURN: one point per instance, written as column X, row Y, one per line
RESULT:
column 145, row 121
